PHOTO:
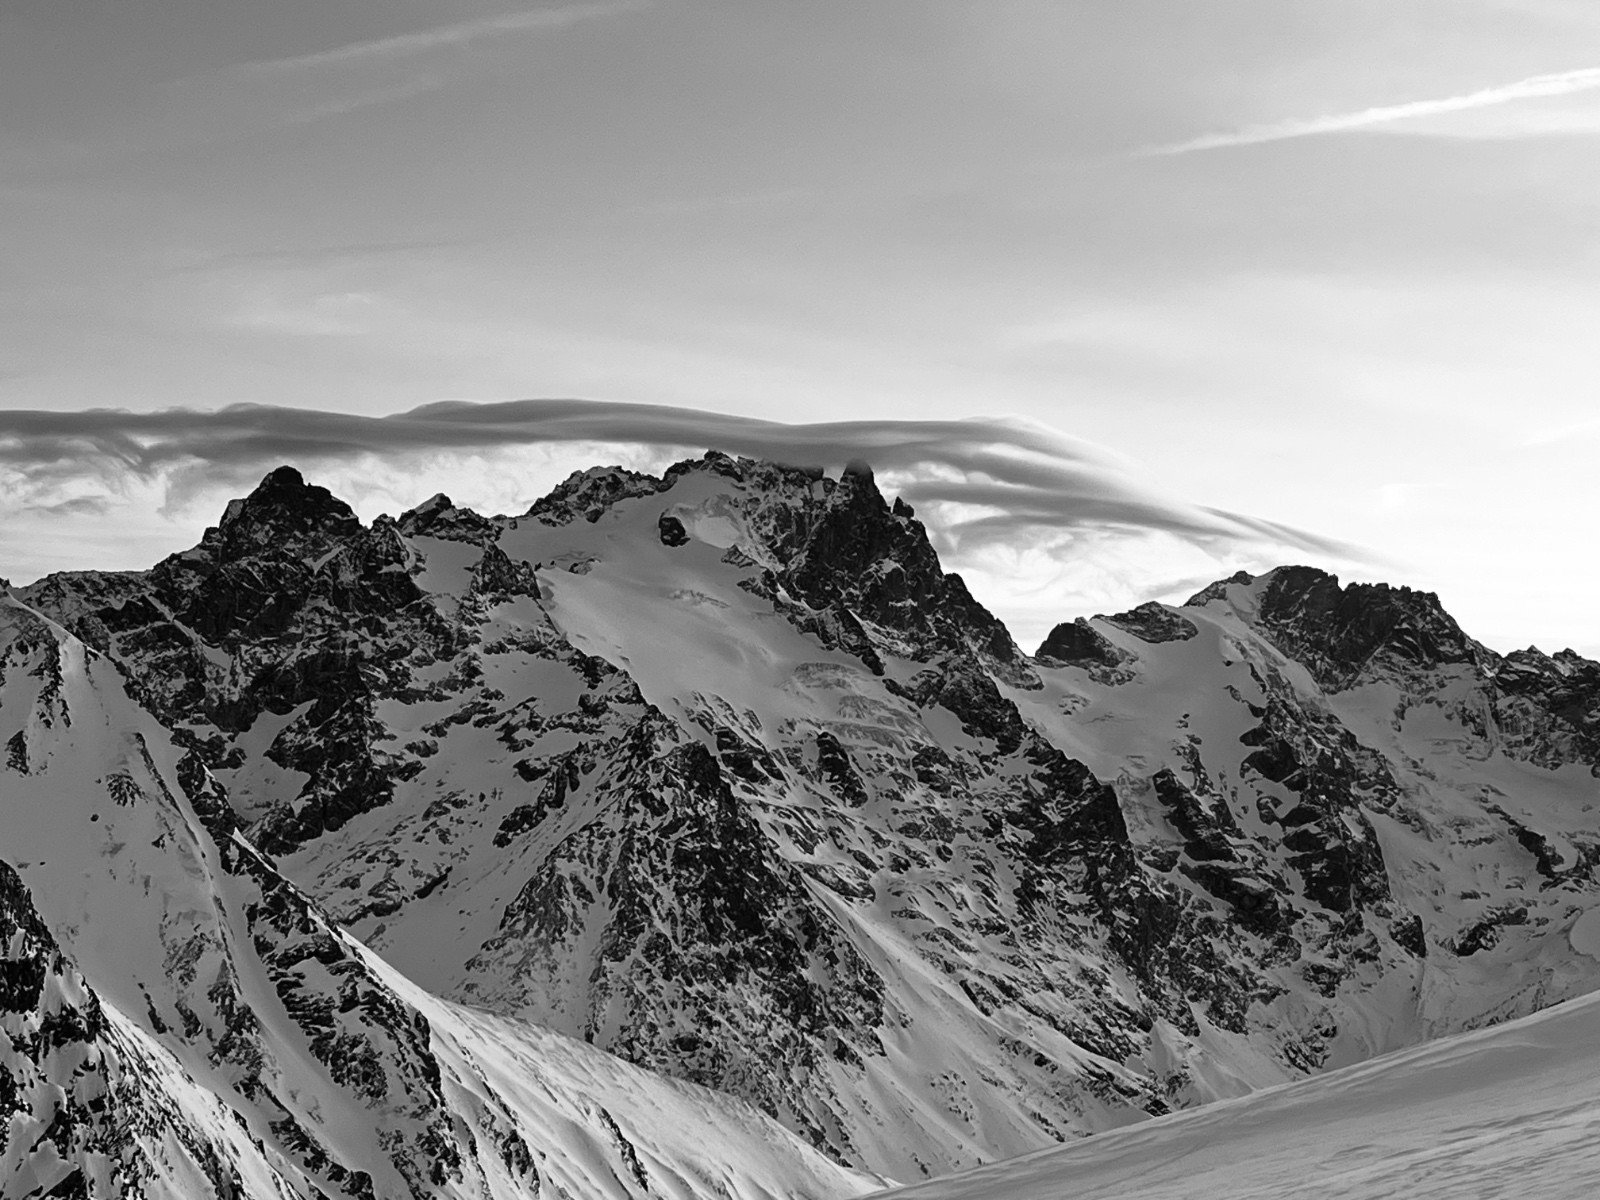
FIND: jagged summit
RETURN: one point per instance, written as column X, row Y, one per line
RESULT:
column 1220, row 589
column 283, row 507
column 589, row 493
column 1340, row 633
column 433, row 505
column 439, row 517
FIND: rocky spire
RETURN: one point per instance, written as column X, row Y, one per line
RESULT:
column 286, row 510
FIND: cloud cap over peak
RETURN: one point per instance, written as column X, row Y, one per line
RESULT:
column 1022, row 471
column 1042, row 525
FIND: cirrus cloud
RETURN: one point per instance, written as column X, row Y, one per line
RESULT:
column 1535, row 87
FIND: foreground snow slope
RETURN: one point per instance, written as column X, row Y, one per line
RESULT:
column 1512, row 1111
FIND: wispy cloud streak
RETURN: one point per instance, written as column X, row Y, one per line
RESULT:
column 988, row 478
column 441, row 37
column 1560, row 83
column 307, row 88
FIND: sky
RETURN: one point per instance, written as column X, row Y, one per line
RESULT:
column 1244, row 282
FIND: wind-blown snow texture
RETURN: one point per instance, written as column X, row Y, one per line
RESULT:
column 1508, row 1111
column 425, row 825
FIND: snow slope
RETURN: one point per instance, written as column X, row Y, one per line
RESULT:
column 1508, row 1111
column 181, row 1021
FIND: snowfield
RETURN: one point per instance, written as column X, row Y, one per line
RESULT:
column 1512, row 1111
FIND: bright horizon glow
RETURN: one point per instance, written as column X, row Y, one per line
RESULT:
column 1378, row 326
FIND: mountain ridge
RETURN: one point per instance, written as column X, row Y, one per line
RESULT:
column 722, row 772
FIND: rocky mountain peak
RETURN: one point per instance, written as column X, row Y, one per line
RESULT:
column 588, row 494
column 865, row 574
column 1347, row 627
column 1338, row 632
column 283, row 510
column 1220, row 589
column 857, row 531
column 1153, row 622
column 856, row 549
column 1079, row 642
column 716, row 463
column 432, row 506
column 439, row 517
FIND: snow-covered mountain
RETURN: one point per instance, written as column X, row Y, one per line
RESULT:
column 719, row 781
column 181, row 1021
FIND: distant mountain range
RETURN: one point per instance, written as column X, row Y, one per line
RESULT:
column 700, row 836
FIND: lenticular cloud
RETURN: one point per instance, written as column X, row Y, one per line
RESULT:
column 988, row 479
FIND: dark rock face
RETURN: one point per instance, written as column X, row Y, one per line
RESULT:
column 1484, row 934
column 833, row 760
column 1547, row 707
column 858, row 546
column 438, row 517
column 1077, row 834
column 1222, row 860
column 672, row 531
column 1338, row 631
column 284, row 505
column 1154, row 623
column 1079, row 642
column 285, row 548
column 962, row 686
column 698, row 904
column 81, row 1110
column 1331, row 843
column 497, row 576
column 1210, row 831
column 307, row 606
column 851, row 551
column 33, row 1031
